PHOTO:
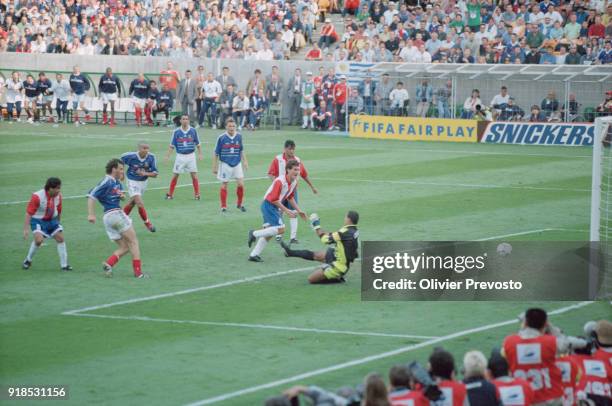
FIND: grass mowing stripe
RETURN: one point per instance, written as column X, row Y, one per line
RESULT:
column 371, row 358
column 259, row 326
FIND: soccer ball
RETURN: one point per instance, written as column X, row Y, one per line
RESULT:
column 315, row 221
column 314, row 217
column 504, row 249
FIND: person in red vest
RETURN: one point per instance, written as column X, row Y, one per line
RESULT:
column 603, row 332
column 340, row 92
column 531, row 355
column 571, row 373
column 442, row 370
column 512, row 391
column 596, row 380
column 402, row 389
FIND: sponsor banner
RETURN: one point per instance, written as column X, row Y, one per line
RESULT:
column 412, row 128
column 572, row 134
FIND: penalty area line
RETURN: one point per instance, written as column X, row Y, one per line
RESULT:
column 256, row 326
column 375, row 357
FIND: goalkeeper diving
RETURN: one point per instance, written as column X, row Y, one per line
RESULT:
column 336, row 259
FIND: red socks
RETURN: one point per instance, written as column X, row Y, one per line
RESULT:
column 136, row 265
column 138, row 114
column 240, row 194
column 148, row 114
column 112, row 260
column 223, row 196
column 196, row 186
column 143, row 214
column 104, row 118
column 173, row 183
column 75, row 116
column 127, row 209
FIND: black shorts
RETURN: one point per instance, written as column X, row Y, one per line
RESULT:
column 330, row 256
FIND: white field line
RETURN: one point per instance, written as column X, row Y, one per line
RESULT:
column 375, row 357
column 153, row 188
column 187, row 291
column 461, row 185
column 255, row 326
column 343, row 147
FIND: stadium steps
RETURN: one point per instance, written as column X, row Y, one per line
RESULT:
column 337, row 21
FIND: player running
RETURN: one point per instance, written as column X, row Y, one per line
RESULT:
column 185, row 141
column 14, row 97
column 31, row 98
column 141, row 165
column 43, row 217
column 139, row 90
column 44, row 87
column 79, row 85
column 118, row 225
column 281, row 190
column 337, row 260
column 228, row 162
column 278, row 166
column 109, row 87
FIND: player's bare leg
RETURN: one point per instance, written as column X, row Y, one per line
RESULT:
column 240, row 194
column 196, row 184
column 137, row 201
column 127, row 243
column 173, row 182
column 86, row 111
column 318, row 277
column 62, row 252
column 34, row 246
column 262, row 236
column 112, row 120
column 122, row 249
column 223, row 197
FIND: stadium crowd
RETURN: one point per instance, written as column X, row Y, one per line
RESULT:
column 444, row 31
column 538, row 365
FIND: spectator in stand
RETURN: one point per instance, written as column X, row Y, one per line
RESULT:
column 314, row 54
column 531, row 355
column 328, row 35
column 479, row 390
column 442, row 370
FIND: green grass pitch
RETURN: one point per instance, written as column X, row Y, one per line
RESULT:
column 240, row 335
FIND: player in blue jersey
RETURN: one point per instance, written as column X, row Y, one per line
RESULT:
column 141, row 165
column 43, row 218
column 228, row 163
column 31, row 98
column 79, row 84
column 109, row 87
column 109, row 192
column 282, row 189
column 44, row 88
column 139, row 90
column 184, row 141
column 151, row 103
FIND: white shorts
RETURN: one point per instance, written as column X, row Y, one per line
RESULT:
column 108, row 97
column 115, row 223
column 78, row 98
column 138, row 102
column 227, row 173
column 47, row 98
column 32, row 100
column 136, row 187
column 185, row 163
column 307, row 104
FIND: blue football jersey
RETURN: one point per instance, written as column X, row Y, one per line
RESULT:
column 108, row 192
column 185, row 142
column 133, row 162
column 229, row 149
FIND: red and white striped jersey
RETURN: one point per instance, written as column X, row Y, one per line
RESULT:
column 44, row 207
column 280, row 189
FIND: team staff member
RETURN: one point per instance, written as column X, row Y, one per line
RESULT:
column 337, row 260
column 79, row 85
column 211, row 90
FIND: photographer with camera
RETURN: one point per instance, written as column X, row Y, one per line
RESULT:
column 595, row 361
column 479, row 390
column 442, row 370
column 512, row 391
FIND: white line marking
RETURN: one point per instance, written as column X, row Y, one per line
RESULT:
column 153, row 188
column 463, row 185
column 370, row 358
column 187, row 291
column 256, row 326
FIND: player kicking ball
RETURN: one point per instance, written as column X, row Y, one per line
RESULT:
column 282, row 189
column 277, row 167
column 109, row 192
column 141, row 165
column 228, row 163
column 338, row 259
column 43, row 217
column 184, row 141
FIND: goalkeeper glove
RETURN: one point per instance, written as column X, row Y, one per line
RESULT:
column 315, row 221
